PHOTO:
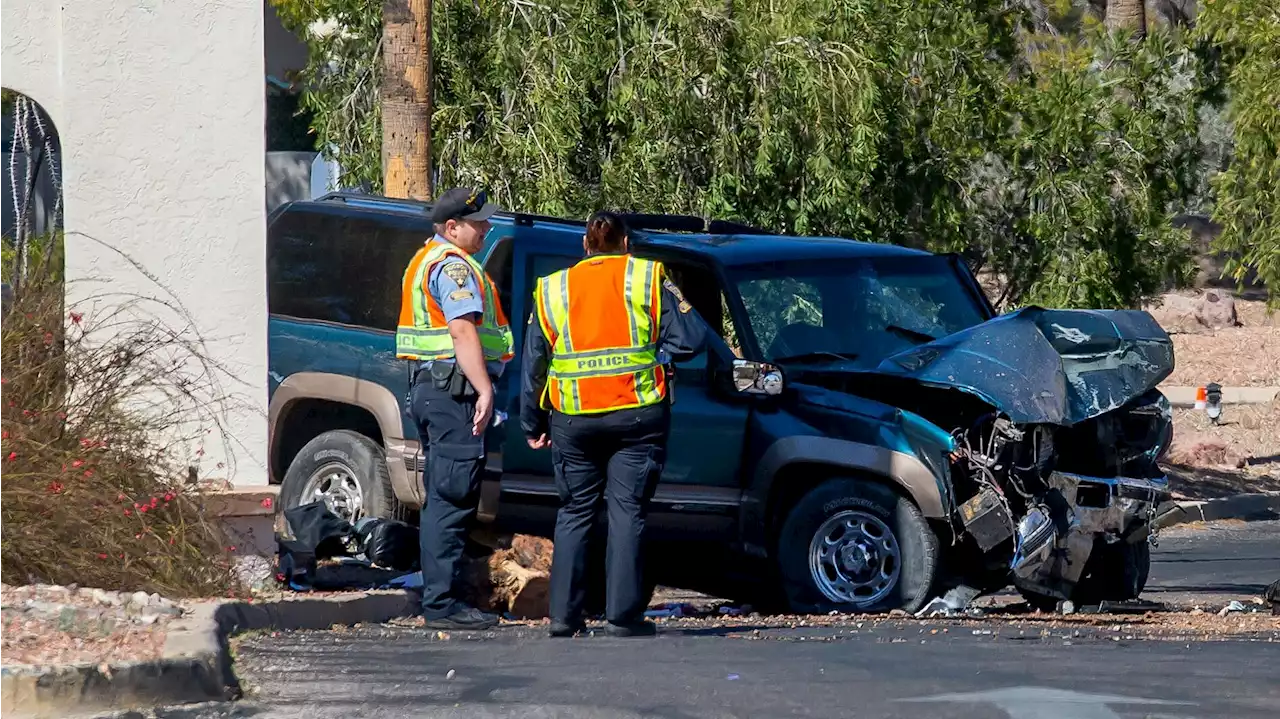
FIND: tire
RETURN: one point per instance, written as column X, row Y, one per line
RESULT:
column 1115, row 573
column 343, row 466
column 882, row 515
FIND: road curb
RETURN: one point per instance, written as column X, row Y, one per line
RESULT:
column 1185, row 397
column 196, row 664
column 1247, row 507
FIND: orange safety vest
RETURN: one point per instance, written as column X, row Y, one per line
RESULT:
column 422, row 332
column 601, row 318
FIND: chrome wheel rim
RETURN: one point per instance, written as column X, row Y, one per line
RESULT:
column 337, row 486
column 854, row 558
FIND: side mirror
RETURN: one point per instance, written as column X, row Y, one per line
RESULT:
column 756, row 378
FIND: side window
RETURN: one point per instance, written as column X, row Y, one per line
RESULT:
column 499, row 266
column 782, row 310
column 345, row 269
column 701, row 288
column 543, row 265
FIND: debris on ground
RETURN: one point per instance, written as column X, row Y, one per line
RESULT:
column 52, row 624
column 955, row 602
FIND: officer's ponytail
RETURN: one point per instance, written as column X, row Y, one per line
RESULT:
column 605, row 233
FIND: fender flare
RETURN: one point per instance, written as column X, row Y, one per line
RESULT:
column 895, row 468
column 367, row 395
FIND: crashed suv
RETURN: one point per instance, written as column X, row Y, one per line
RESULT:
column 863, row 430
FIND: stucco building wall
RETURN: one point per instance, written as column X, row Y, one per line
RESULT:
column 159, row 108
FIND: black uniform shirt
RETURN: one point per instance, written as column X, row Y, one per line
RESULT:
column 682, row 334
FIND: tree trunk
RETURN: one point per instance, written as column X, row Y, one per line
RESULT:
column 1129, row 15
column 406, row 99
column 508, row 573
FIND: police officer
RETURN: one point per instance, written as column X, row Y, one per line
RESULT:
column 596, row 392
column 454, row 331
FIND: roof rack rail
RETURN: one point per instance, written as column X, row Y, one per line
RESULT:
column 369, row 197
column 634, row 220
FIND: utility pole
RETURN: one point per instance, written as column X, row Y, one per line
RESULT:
column 406, row 99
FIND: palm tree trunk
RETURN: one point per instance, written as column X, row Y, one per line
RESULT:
column 1129, row 15
column 406, row 99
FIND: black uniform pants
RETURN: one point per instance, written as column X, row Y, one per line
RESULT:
column 455, row 462
column 615, row 458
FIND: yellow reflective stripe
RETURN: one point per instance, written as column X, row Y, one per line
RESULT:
column 495, row 340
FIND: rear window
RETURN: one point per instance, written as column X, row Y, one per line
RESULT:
column 340, row 268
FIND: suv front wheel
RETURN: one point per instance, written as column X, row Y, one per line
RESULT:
column 856, row 546
column 347, row 471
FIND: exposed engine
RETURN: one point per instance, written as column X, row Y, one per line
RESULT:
column 1029, row 487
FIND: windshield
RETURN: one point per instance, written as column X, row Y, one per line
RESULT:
column 860, row 310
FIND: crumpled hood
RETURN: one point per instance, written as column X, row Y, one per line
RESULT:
column 1042, row 366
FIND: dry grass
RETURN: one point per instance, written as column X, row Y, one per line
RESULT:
column 93, row 489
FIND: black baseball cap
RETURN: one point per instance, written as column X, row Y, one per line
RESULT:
column 462, row 203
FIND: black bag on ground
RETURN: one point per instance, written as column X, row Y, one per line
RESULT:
column 312, row 533
column 388, row 543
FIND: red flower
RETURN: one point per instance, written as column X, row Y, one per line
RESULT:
column 101, row 555
column 143, row 509
column 5, row 435
column 78, row 463
column 48, row 339
column 76, row 317
column 168, row 496
column 122, row 498
column 88, row 473
column 56, row 488
column 128, row 512
column 27, row 413
column 13, row 456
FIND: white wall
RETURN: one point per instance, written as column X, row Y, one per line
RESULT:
column 159, row 106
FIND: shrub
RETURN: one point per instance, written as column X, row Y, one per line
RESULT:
column 95, row 416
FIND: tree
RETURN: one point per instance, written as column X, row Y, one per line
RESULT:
column 944, row 124
column 405, row 95
column 1130, row 15
column 1247, row 193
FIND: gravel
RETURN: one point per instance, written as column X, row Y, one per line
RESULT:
column 50, row 624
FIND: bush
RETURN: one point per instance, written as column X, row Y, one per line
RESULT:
column 94, row 489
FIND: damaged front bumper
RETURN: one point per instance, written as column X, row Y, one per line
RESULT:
column 1053, row 542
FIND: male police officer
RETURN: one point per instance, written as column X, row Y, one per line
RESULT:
column 454, row 330
column 592, row 355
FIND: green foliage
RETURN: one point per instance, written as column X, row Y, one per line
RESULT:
column 1247, row 33
column 1104, row 151
column 344, row 68
column 945, row 124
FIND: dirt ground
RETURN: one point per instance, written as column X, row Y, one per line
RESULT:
column 1242, row 454
column 1244, row 356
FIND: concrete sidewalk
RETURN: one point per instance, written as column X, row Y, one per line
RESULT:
column 1180, row 396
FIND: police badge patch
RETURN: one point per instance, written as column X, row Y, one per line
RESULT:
column 683, row 305
column 458, row 272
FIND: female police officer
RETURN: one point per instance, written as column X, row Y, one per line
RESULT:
column 592, row 359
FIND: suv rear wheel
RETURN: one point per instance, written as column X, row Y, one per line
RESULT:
column 856, row 546
column 348, row 472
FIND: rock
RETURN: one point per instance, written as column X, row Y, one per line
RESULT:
column 1216, row 310
column 1176, row 313
column 148, row 619
column 254, row 572
column 139, row 599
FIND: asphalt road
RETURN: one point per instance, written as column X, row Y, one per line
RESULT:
column 887, row 669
